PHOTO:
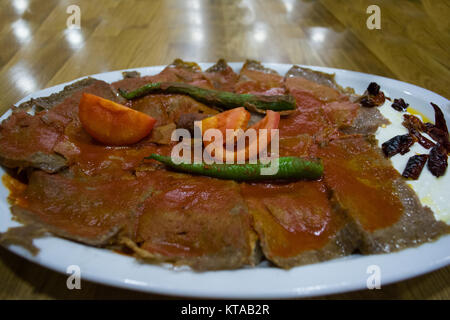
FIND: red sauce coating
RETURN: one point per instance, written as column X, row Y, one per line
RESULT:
column 363, row 181
column 191, row 216
column 24, row 135
column 16, row 190
column 85, row 208
column 292, row 218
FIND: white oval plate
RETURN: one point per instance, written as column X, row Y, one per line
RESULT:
column 335, row 276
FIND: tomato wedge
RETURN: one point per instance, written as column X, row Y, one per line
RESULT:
column 112, row 123
column 269, row 122
column 235, row 119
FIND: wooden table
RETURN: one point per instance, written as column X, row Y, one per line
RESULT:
column 37, row 51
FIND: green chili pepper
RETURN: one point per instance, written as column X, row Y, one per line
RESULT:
column 221, row 99
column 289, row 168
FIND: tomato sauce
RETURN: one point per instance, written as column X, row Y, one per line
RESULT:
column 193, row 215
column 364, row 182
column 292, row 218
column 16, row 190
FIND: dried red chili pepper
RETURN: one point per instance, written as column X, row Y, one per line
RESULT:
column 439, row 130
column 367, row 102
column 398, row 144
column 440, row 136
column 437, row 160
column 414, row 125
column 372, row 97
column 399, row 105
column 414, row 166
column 373, row 88
column 439, row 119
column 379, row 98
column 414, row 122
column 424, row 142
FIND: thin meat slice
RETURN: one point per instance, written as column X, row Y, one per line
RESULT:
column 297, row 224
column 324, row 90
column 366, row 121
column 42, row 103
column 366, row 186
column 67, row 110
column 318, row 77
column 309, row 117
column 87, row 157
column 197, row 221
column 222, row 76
column 186, row 72
column 168, row 108
column 177, row 71
column 91, row 211
column 256, row 79
column 350, row 118
column 29, row 140
column 297, row 146
column 338, row 104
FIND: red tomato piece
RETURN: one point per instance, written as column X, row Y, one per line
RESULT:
column 235, row 119
column 112, row 123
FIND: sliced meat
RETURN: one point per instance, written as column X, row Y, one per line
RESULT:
column 366, row 121
column 186, row 72
column 254, row 65
column 297, row 146
column 308, row 118
column 318, row 77
column 27, row 141
column 198, row 221
column 297, row 223
column 415, row 226
column 42, row 103
column 342, row 114
column 186, row 120
column 67, row 110
column 86, row 157
column 177, row 71
column 373, row 194
column 44, row 140
column 222, row 76
column 321, row 91
column 131, row 74
column 337, row 103
column 91, row 210
column 163, row 134
column 166, row 108
column 256, row 79
column 54, row 138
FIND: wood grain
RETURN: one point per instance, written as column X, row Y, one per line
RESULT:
column 38, row 51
